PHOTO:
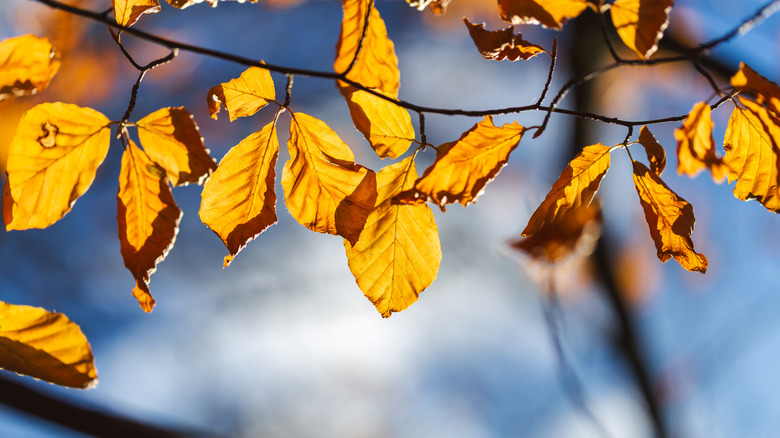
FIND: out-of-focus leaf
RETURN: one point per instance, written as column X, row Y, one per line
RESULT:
column 398, row 253
column 656, row 155
column 45, row 345
column 548, row 13
column 670, row 219
column 641, row 23
column 171, row 139
column 438, row 7
column 238, row 201
column 574, row 230
column 696, row 145
column 127, row 12
column 376, row 65
column 387, row 126
column 181, row 4
column 27, row 65
column 52, row 161
column 463, row 168
column 148, row 219
column 243, row 96
column 575, row 188
column 502, row 44
column 751, row 145
column 324, row 189
column 767, row 93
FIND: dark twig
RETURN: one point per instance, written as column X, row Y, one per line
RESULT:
column 553, row 57
column 746, row 26
column 423, row 138
column 288, row 90
column 137, row 85
column 605, row 34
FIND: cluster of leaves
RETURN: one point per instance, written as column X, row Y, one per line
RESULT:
column 390, row 236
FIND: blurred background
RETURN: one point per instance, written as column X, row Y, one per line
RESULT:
column 283, row 343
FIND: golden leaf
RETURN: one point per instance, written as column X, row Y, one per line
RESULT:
column 463, row 168
column 398, row 253
column 387, row 126
column 324, row 189
column 501, row 44
column 696, row 145
column 548, row 13
column 148, row 219
column 641, row 23
column 243, row 96
column 171, row 139
column 767, row 93
column 576, row 186
column 181, row 4
column 574, row 230
column 238, row 201
column 438, row 7
column 751, row 145
column 52, row 161
column 656, row 155
column 27, row 65
column 127, row 12
column 376, row 65
column 46, row 346
column 670, row 218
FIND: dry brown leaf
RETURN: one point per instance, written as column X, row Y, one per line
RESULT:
column 502, row 44
column 696, row 145
column 387, row 126
column 27, row 65
column 148, row 219
column 548, row 13
column 641, row 23
column 127, row 12
column 243, row 96
column 670, row 219
column 656, row 155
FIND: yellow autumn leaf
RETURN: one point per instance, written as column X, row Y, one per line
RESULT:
column 767, row 93
column 148, row 219
column 573, row 231
column 502, row 44
column 751, row 140
column 127, row 12
column 641, row 23
column 171, row 139
column 576, row 186
column 27, row 65
column 324, row 189
column 398, row 253
column 387, row 126
column 45, row 345
column 376, row 65
column 656, row 154
column 463, row 168
column 437, row 7
column 548, row 13
column 670, row 219
column 696, row 145
column 52, row 161
column 243, row 96
column 238, row 201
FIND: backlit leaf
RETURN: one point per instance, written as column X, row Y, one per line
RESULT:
column 324, row 189
column 574, row 230
column 243, row 96
column 127, row 12
column 238, row 201
column 501, row 44
column 548, row 13
column 27, row 65
column 181, row 4
column 767, row 93
column 171, row 139
column 52, row 161
column 45, row 345
column 656, row 154
column 438, row 7
column 575, row 188
column 463, row 168
column 641, row 23
column 398, row 253
column 387, row 126
column 751, row 145
column 148, row 219
column 670, row 218
column 696, row 145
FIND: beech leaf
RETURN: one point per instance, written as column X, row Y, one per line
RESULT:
column 243, row 96
column 238, row 201
column 575, row 187
column 398, row 253
column 502, row 44
column 181, row 4
column 548, row 13
column 696, row 145
column 656, row 155
column 52, row 161
column 171, row 139
column 573, row 230
column 148, row 219
column 641, row 23
column 127, row 12
column 670, row 219
column 324, row 189
column 27, row 65
column 45, row 345
column 767, row 93
column 463, row 168
column 387, row 126
column 438, row 7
